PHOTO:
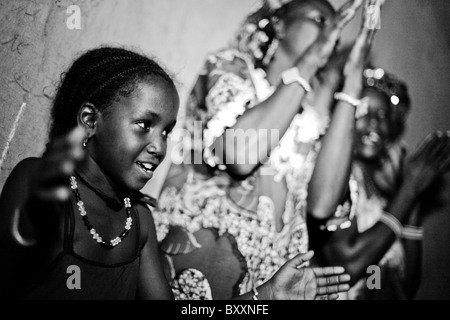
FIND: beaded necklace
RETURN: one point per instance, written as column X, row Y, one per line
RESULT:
column 114, row 242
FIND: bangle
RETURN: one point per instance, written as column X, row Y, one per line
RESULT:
column 361, row 106
column 16, row 233
column 392, row 223
column 412, row 233
column 293, row 75
column 344, row 97
column 255, row 294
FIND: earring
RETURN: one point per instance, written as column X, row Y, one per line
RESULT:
column 85, row 142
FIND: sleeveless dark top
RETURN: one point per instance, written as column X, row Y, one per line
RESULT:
column 98, row 281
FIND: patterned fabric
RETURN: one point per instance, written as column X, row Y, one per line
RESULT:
column 266, row 213
column 191, row 284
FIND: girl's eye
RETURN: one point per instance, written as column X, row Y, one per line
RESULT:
column 144, row 125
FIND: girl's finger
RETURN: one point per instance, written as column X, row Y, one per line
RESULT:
column 58, row 194
column 71, row 144
column 75, row 140
column 328, row 271
column 54, row 173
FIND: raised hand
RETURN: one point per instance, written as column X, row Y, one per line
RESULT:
column 361, row 48
column 428, row 162
column 50, row 182
column 295, row 281
column 325, row 45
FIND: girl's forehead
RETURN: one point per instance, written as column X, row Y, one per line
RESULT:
column 152, row 98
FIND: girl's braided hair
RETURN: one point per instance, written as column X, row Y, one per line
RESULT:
column 100, row 76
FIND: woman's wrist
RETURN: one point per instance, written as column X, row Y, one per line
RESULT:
column 352, row 88
column 308, row 66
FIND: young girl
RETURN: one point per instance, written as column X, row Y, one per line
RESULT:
column 74, row 225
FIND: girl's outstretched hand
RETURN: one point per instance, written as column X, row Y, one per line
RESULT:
column 50, row 182
column 428, row 162
column 295, row 281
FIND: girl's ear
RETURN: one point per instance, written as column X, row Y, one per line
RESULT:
column 87, row 118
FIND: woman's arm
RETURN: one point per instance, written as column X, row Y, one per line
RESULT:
column 277, row 112
column 329, row 182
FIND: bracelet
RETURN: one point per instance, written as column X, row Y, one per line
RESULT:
column 293, row 75
column 361, row 106
column 16, row 233
column 344, row 97
column 255, row 294
column 412, row 233
column 392, row 223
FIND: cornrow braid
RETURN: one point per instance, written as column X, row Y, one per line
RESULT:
column 100, row 76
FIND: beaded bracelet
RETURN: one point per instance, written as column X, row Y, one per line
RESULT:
column 344, row 97
column 361, row 106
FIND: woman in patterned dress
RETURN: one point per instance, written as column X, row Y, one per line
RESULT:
column 229, row 217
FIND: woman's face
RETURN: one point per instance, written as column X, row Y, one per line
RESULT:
column 303, row 24
column 373, row 130
column 131, row 137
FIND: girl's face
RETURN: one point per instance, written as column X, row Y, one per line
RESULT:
column 373, row 130
column 303, row 25
column 131, row 137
